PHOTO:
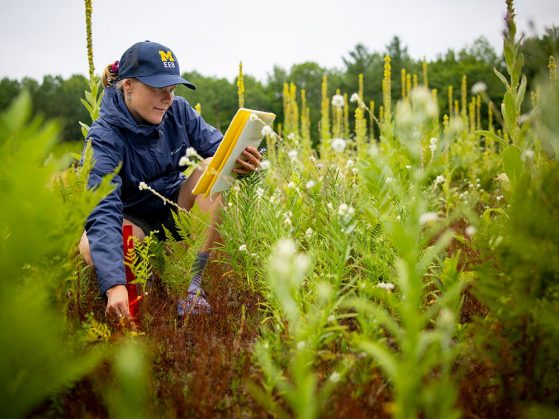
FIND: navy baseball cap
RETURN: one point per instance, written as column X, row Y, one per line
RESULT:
column 153, row 64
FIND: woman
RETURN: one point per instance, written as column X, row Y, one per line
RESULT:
column 143, row 131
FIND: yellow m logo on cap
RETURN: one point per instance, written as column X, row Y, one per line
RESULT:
column 166, row 56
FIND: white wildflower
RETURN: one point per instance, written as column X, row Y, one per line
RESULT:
column 338, row 145
column 229, row 204
column 338, row 101
column 260, row 192
column 267, row 131
column 335, row 377
column 185, row 161
column 354, row 170
column 439, row 179
column 301, row 262
column 354, row 98
column 310, row 184
column 301, row 344
column 373, row 150
column 433, row 144
column 479, row 88
column 408, row 166
column 291, row 136
column 499, row 197
column 528, row 154
column 243, row 248
column 470, row 231
column 428, row 217
column 285, row 248
column 345, row 211
column 330, row 206
column 349, row 164
column 290, row 185
column 389, row 179
column 386, row 285
column 287, row 221
column 309, row 233
column 265, row 164
column 292, row 154
column 191, row 152
column 502, row 177
column 423, row 101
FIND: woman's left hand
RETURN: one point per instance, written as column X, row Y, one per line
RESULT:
column 248, row 161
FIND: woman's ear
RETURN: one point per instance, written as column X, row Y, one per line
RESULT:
column 127, row 85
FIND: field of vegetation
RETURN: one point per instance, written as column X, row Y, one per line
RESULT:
column 395, row 256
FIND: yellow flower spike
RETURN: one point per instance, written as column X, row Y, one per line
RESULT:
column 425, row 73
column 386, row 90
column 478, row 111
column 337, row 119
column 464, row 89
column 371, row 118
column 552, row 66
column 415, row 81
column 325, row 110
column 403, row 82
column 241, row 86
column 381, row 114
column 286, row 94
column 456, row 107
column 408, row 85
column 88, row 11
column 445, row 123
column 305, row 122
column 472, row 114
column 346, row 116
column 450, row 100
column 294, row 108
column 198, row 108
column 360, row 133
column 435, row 96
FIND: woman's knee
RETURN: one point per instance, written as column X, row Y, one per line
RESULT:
column 85, row 251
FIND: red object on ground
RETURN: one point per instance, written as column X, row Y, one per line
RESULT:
column 133, row 298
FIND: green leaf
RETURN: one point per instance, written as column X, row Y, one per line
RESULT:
column 501, row 77
column 491, row 135
column 490, row 211
column 383, row 356
column 19, row 112
column 521, row 94
column 508, row 108
column 512, row 163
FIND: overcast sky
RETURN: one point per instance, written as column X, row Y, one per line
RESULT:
column 48, row 37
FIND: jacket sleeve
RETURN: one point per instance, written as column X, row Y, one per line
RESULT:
column 204, row 137
column 104, row 224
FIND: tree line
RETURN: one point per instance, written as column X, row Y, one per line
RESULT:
column 56, row 97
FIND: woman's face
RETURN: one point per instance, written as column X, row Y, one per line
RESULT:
column 147, row 104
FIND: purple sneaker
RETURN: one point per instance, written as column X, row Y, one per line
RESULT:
column 194, row 303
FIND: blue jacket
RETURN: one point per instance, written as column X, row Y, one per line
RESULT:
column 148, row 153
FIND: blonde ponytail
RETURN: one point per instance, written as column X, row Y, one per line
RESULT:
column 110, row 74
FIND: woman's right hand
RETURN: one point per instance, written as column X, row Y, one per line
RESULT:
column 117, row 302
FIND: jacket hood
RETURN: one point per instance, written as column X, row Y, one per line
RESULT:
column 114, row 111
